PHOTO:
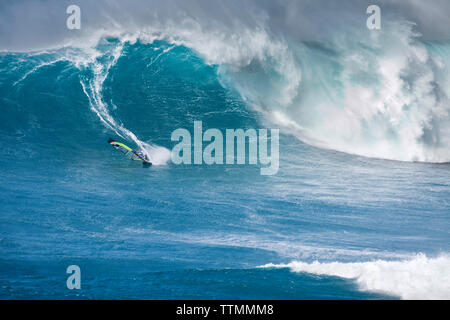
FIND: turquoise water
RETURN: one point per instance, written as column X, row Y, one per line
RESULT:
column 194, row 231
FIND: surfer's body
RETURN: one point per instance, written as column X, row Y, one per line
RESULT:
column 141, row 154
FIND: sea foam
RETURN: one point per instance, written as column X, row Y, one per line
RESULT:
column 420, row 277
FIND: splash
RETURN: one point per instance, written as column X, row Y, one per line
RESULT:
column 382, row 95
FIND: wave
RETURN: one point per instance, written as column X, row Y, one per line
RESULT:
column 377, row 94
column 420, row 277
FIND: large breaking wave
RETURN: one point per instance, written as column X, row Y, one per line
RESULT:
column 382, row 94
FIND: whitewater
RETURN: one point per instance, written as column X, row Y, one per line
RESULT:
column 416, row 278
column 358, row 209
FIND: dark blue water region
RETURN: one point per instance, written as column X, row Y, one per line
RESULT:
column 130, row 279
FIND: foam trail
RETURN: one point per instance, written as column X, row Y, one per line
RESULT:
column 93, row 88
column 417, row 278
column 36, row 68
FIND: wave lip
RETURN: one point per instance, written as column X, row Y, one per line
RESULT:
column 417, row 278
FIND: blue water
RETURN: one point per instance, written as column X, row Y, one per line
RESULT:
column 187, row 231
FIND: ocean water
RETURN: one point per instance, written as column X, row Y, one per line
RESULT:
column 359, row 208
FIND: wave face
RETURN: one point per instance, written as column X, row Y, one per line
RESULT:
column 131, row 89
column 416, row 278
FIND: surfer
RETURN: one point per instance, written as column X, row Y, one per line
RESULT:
column 130, row 153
